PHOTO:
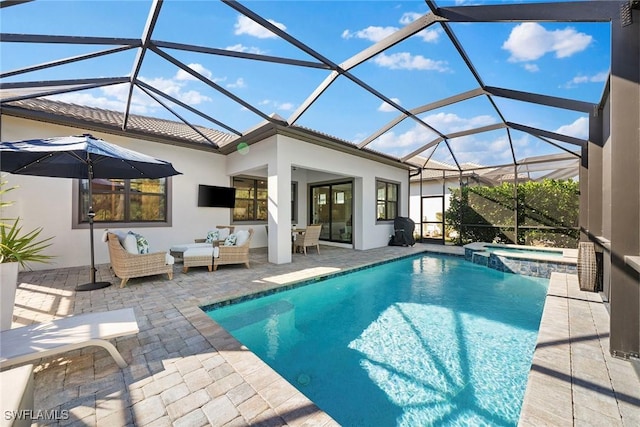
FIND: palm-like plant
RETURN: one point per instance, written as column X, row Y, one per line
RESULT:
column 16, row 246
column 4, row 203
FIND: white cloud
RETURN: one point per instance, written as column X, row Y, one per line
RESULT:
column 114, row 97
column 406, row 61
column 371, row 33
column 241, row 48
column 276, row 105
column 199, row 68
column 376, row 33
column 171, row 87
column 408, row 17
column 193, row 97
column 90, row 100
column 405, row 142
column 245, row 25
column 582, row 79
column 531, row 41
column 387, row 108
column 450, row 123
column 285, row 106
column 176, row 88
column 599, row 77
column 238, row 84
column 418, row 135
column 532, row 68
column 577, row 129
column 429, row 36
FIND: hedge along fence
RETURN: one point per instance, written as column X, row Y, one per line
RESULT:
column 543, row 213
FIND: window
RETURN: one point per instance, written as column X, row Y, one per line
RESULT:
column 386, row 200
column 251, row 199
column 125, row 200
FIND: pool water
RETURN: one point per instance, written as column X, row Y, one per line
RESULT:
column 427, row 340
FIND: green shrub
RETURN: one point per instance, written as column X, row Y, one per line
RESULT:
column 547, row 213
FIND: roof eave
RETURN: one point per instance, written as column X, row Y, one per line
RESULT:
column 41, row 116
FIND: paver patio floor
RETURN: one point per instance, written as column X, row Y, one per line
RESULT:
column 184, row 370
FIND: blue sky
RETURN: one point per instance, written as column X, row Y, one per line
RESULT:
column 567, row 60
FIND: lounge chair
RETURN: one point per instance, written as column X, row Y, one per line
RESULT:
column 28, row 343
column 311, row 237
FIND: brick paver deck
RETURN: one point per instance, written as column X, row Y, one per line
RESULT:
column 187, row 371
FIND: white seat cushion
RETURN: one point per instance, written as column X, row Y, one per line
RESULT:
column 183, row 247
column 201, row 251
column 169, row 260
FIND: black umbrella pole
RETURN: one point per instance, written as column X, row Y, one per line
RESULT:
column 92, row 214
column 93, row 284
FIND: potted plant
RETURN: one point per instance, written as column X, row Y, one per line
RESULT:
column 17, row 248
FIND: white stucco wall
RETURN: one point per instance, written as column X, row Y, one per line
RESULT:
column 47, row 202
column 429, row 188
column 317, row 164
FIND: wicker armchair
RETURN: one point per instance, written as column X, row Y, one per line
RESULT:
column 233, row 254
column 311, row 237
column 126, row 265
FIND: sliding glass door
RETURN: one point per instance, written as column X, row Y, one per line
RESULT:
column 332, row 206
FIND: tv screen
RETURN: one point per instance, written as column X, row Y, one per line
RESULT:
column 216, row 197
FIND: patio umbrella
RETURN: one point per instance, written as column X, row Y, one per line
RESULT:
column 82, row 157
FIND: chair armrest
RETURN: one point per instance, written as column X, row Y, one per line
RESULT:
column 200, row 240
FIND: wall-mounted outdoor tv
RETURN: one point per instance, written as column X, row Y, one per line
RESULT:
column 216, row 197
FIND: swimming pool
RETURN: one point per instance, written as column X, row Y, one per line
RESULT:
column 425, row 340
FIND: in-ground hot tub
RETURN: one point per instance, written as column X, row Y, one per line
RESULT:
column 519, row 259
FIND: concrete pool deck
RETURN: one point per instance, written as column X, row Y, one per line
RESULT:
column 184, row 370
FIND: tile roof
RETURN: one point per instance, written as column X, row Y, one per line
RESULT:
column 173, row 131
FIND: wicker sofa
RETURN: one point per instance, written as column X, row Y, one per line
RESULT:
column 236, row 254
column 126, row 265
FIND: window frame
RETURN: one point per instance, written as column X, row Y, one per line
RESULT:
column 77, row 223
column 386, row 200
column 255, row 199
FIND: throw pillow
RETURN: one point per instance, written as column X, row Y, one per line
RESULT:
column 141, row 243
column 224, row 233
column 130, row 244
column 242, row 237
column 212, row 236
column 231, row 240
